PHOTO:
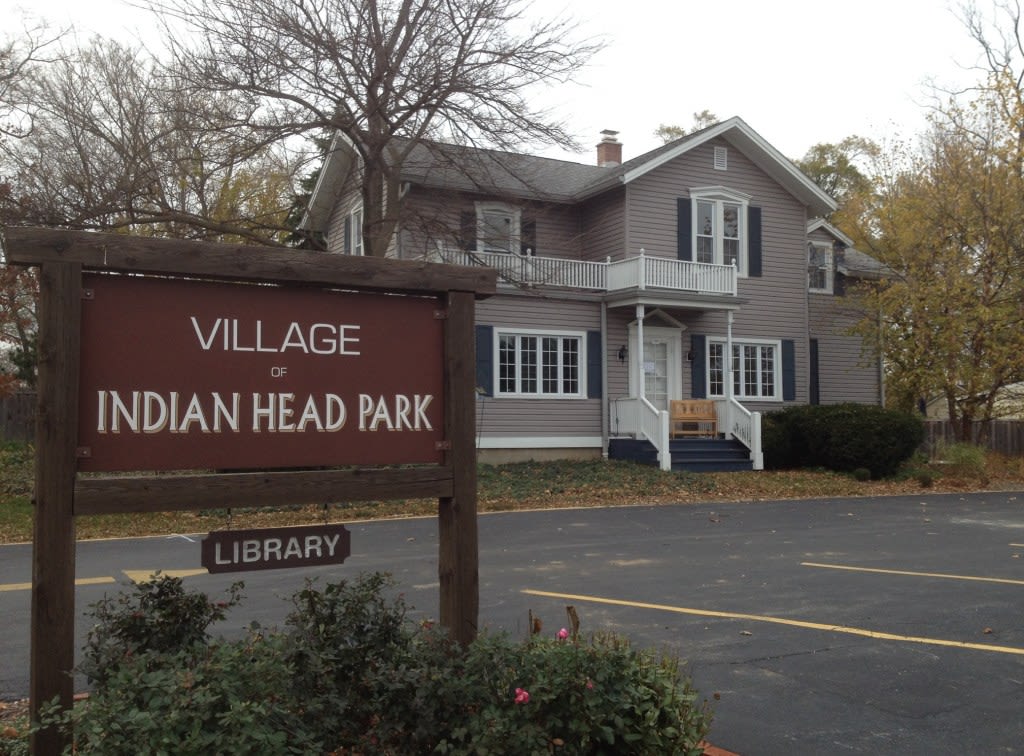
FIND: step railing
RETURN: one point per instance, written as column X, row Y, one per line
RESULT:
column 745, row 427
column 637, row 417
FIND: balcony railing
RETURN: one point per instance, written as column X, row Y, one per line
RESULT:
column 644, row 272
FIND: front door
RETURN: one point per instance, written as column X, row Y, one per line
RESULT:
column 660, row 365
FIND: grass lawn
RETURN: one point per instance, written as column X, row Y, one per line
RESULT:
column 527, row 485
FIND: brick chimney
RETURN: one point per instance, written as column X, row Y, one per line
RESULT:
column 609, row 149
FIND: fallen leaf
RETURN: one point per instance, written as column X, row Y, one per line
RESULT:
column 745, row 632
column 987, row 631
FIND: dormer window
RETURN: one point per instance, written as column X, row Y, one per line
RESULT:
column 820, row 267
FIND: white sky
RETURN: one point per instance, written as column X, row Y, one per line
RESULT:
column 799, row 72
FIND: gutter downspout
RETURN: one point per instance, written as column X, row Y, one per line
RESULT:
column 605, row 408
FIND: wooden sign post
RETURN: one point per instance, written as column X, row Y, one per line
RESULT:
column 243, row 358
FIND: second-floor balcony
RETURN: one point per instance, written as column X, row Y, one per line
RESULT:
column 640, row 273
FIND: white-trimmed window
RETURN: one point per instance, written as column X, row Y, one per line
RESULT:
column 719, row 227
column 353, row 243
column 541, row 364
column 756, row 369
column 498, row 227
column 820, row 267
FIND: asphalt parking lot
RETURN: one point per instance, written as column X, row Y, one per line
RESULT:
column 879, row 626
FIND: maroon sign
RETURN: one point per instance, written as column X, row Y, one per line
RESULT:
column 275, row 548
column 182, row 374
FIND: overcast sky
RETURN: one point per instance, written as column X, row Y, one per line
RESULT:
column 799, row 72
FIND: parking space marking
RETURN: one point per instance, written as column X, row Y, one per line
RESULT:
column 144, row 576
column 79, row 581
column 975, row 578
column 781, row 621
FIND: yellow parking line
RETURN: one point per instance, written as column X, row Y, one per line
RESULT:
column 144, row 576
column 1008, row 581
column 80, row 581
column 1018, row 545
column 780, row 621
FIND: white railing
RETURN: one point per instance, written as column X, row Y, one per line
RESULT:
column 647, row 272
column 638, row 417
column 531, row 270
column 745, row 427
column 640, row 272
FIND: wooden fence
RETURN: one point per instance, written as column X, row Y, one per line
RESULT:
column 18, row 417
column 1002, row 436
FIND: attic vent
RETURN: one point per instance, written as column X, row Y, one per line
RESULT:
column 721, row 159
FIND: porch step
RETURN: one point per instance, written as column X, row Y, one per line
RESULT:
column 692, row 454
column 709, row 455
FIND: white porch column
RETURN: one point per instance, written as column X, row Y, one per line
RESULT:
column 728, row 372
column 640, row 312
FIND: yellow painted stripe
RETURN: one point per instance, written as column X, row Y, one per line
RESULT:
column 947, row 576
column 1018, row 545
column 80, row 581
column 143, row 576
column 780, row 621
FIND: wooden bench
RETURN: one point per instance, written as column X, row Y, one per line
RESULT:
column 692, row 417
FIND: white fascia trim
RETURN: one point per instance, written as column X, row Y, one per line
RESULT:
column 823, row 224
column 738, row 124
column 540, row 442
column 326, row 183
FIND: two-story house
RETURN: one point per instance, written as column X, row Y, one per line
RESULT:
column 696, row 270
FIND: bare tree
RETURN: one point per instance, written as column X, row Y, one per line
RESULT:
column 119, row 142
column 372, row 70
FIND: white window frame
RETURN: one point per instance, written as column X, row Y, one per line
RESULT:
column 740, row 392
column 514, row 216
column 829, row 267
column 719, row 197
column 520, row 377
column 355, row 229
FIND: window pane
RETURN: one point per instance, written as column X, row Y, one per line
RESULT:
column 528, row 364
column 716, row 370
column 736, row 371
column 705, row 232
column 767, row 371
column 750, row 381
column 497, row 231
column 507, row 364
column 549, row 364
column 570, row 366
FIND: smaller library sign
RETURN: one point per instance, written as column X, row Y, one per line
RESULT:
column 274, row 548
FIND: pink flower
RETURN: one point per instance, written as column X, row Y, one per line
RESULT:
column 563, row 634
column 590, row 684
column 522, row 696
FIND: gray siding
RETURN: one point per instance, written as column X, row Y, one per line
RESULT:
column 604, row 227
column 776, row 306
column 511, row 417
column 431, row 216
column 846, row 373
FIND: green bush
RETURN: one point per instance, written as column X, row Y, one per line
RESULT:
column 350, row 674
column 157, row 616
column 841, row 437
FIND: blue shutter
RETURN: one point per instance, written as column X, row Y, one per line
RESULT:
column 485, row 359
column 467, row 231
column 754, row 241
column 684, row 229
column 788, row 370
column 595, row 355
column 698, row 367
column 346, row 244
column 815, row 386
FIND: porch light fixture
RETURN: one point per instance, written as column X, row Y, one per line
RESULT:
column 622, row 353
